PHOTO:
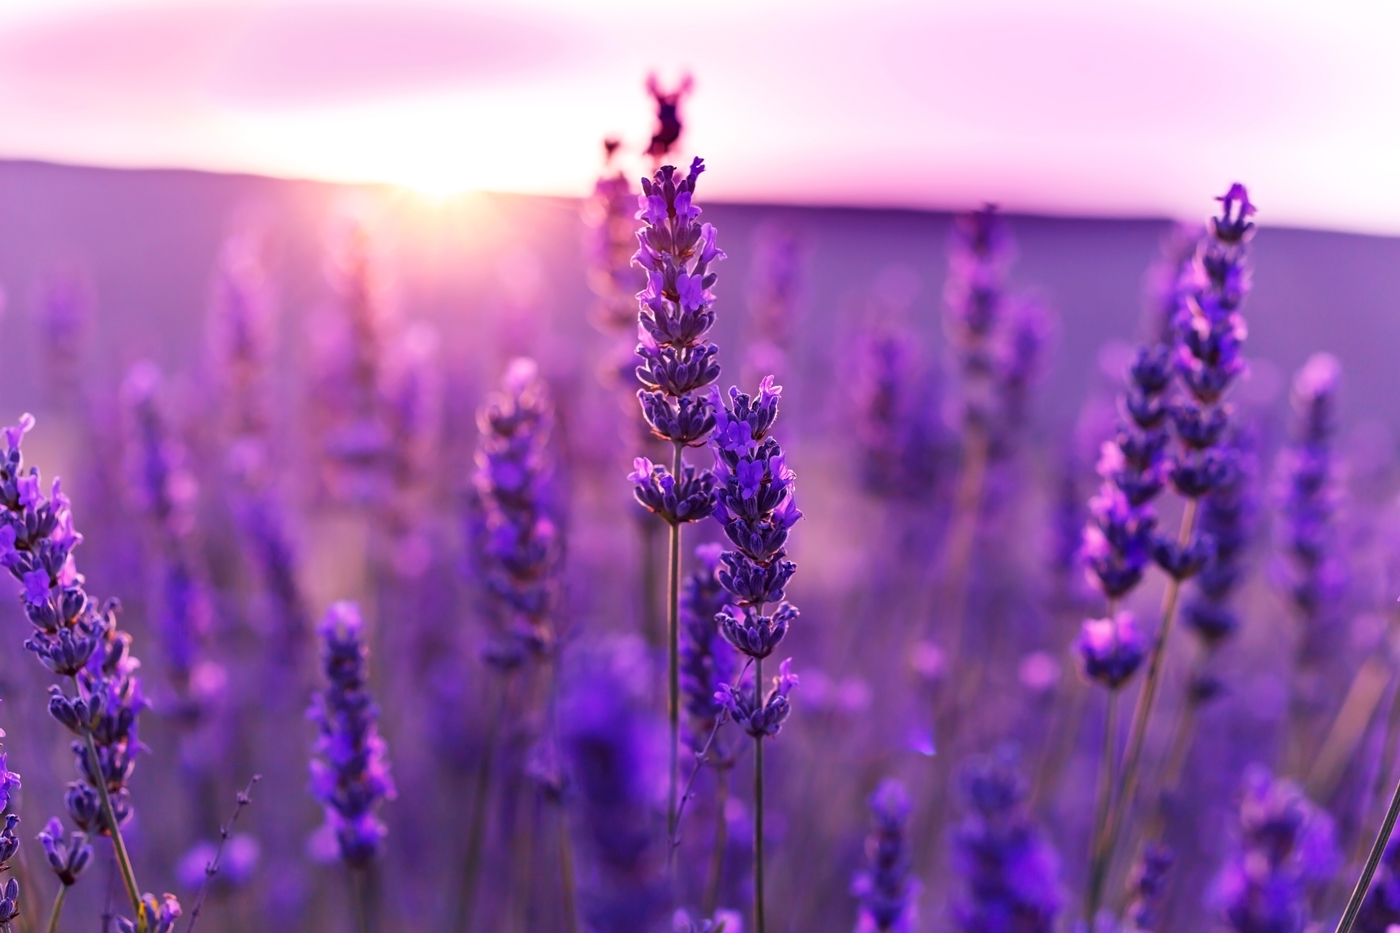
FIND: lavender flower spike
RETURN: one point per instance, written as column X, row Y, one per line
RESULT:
column 76, row 640
column 1111, row 650
column 1286, row 849
column 9, row 845
column 351, row 777
column 67, row 857
column 887, row 893
column 1006, row 866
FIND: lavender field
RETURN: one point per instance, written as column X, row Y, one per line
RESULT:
column 1037, row 574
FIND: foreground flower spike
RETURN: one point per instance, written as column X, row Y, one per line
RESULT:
column 887, row 893
column 757, row 506
column 1205, row 361
column 1227, row 517
column 9, row 845
column 674, row 317
column 67, row 857
column 1004, row 863
column 517, row 539
column 1286, row 851
column 351, row 775
column 77, row 641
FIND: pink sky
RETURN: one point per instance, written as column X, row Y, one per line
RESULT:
column 1133, row 107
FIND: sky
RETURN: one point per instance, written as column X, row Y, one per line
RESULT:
column 1128, row 108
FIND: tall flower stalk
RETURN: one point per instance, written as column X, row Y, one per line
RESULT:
column 518, row 545
column 678, row 363
column 99, row 698
column 1207, row 358
column 350, row 774
column 887, row 891
column 757, row 506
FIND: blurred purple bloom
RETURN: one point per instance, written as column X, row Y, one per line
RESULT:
column 1148, row 886
column 1227, row 517
column 1008, row 871
column 1111, row 650
column 1286, row 849
column 351, row 777
column 516, row 537
column 706, row 660
column 888, row 895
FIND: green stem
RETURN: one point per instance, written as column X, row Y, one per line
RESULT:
column 471, row 864
column 1101, row 809
column 133, row 891
column 1142, row 714
column 359, row 881
column 566, row 872
column 1363, row 884
column 759, row 923
column 57, row 908
column 673, row 692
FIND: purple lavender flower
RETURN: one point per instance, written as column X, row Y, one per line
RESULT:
column 979, row 257
column 62, row 305
column 906, row 451
column 775, row 280
column 1008, row 870
column 1020, row 362
column 668, row 115
column 1111, row 650
column 888, row 895
column 675, row 311
column 351, row 778
column 517, row 539
column 1148, row 886
column 1226, row 518
column 161, row 915
column 1286, row 848
column 72, row 637
column 241, row 319
column 1118, row 541
column 165, row 489
column 612, row 749
column 66, row 857
column 9, row 844
column 756, row 714
column 611, row 218
column 707, row 661
column 1315, row 571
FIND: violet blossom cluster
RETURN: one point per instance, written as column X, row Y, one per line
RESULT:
column 165, row 488
column 887, row 892
column 1009, row 872
column 904, row 447
column 1285, row 851
column 998, row 339
column 1148, row 888
column 1227, row 516
column 350, row 777
column 757, row 507
column 516, row 537
column 9, row 844
column 677, row 361
column 707, row 661
column 610, row 216
column 74, row 639
column 1308, row 489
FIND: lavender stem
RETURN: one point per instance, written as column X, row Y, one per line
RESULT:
column 212, row 869
column 567, row 878
column 1142, row 715
column 673, row 612
column 57, row 908
column 471, row 864
column 1104, row 802
column 118, row 844
column 759, row 921
column 1363, row 884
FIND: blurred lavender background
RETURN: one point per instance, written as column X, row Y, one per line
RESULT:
column 121, row 290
